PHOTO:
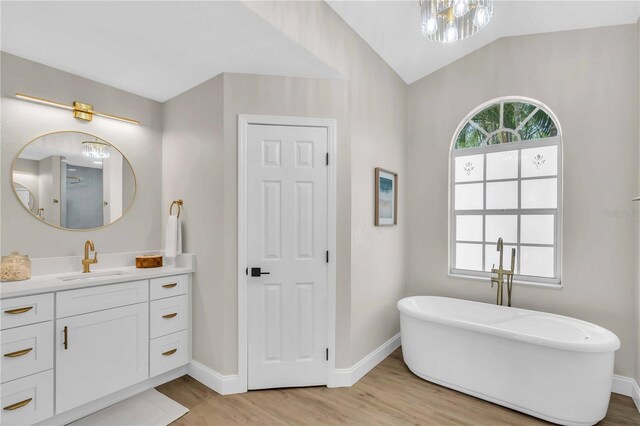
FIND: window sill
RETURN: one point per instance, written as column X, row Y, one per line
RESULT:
column 552, row 286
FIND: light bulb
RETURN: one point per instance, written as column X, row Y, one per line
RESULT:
column 430, row 26
column 451, row 32
column 482, row 17
column 460, row 7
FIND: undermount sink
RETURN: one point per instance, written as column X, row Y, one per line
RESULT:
column 91, row 276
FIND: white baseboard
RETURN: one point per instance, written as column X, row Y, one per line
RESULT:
column 345, row 377
column 224, row 385
column 341, row 377
column 97, row 405
column 628, row 387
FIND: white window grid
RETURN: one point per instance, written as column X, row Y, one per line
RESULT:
column 519, row 212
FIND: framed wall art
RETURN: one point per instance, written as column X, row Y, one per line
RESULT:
column 386, row 197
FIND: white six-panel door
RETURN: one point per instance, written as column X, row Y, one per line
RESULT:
column 287, row 239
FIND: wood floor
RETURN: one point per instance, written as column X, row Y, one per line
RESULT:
column 389, row 395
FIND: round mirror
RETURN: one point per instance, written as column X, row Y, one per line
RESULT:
column 73, row 180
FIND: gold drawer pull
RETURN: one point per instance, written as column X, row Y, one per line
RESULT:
column 18, row 353
column 172, row 285
column 171, row 352
column 170, row 315
column 18, row 310
column 18, row 405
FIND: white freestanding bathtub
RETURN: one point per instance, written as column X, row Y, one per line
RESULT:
column 553, row 367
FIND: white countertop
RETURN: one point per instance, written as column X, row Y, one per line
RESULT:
column 51, row 282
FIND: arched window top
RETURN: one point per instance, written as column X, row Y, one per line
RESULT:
column 506, row 120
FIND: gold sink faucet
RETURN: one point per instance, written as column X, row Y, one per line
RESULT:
column 501, row 273
column 86, row 261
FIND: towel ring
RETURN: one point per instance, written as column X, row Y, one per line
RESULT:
column 179, row 204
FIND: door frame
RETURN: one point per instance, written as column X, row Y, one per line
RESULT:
column 244, row 121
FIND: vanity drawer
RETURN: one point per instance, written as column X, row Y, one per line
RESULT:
column 169, row 315
column 26, row 310
column 28, row 400
column 26, row 350
column 168, row 352
column 84, row 300
column 175, row 285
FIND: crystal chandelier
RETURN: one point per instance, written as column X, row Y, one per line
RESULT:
column 95, row 149
column 448, row 21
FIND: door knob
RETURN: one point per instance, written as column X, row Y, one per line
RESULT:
column 256, row 272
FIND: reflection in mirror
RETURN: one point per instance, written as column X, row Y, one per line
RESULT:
column 25, row 196
column 73, row 180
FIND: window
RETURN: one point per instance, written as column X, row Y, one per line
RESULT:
column 506, row 182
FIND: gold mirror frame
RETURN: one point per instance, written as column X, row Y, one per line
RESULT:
column 35, row 216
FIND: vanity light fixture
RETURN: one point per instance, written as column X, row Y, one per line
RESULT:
column 448, row 21
column 80, row 110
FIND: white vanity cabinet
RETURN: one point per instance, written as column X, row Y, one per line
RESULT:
column 100, row 353
column 76, row 346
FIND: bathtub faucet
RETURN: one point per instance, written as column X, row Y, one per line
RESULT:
column 502, row 273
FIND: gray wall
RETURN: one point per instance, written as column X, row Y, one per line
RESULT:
column 193, row 170
column 589, row 78
column 26, row 166
column 22, row 121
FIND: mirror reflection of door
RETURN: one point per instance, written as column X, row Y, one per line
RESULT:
column 76, row 180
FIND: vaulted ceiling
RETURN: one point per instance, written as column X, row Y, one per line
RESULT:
column 158, row 49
